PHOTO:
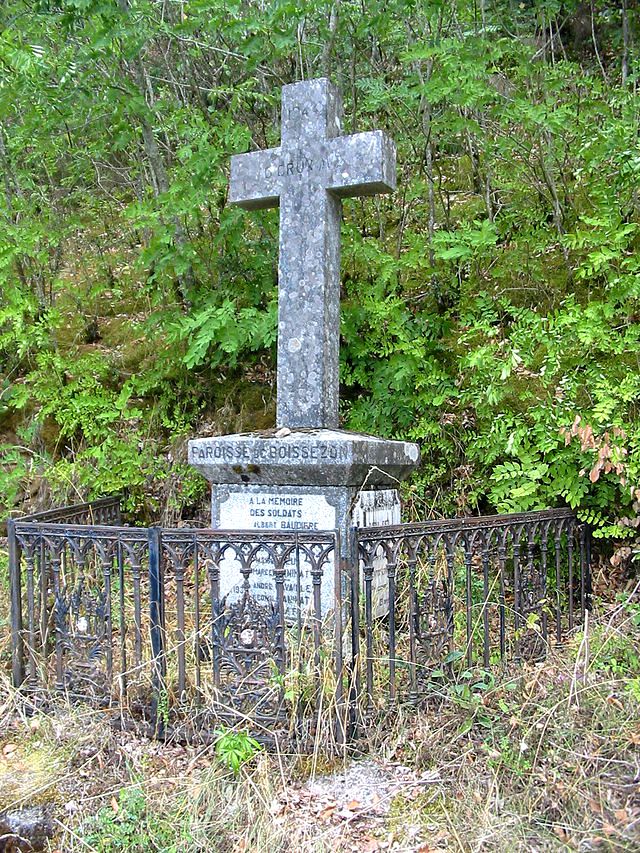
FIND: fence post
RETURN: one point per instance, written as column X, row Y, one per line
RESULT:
column 353, row 668
column 341, row 708
column 15, row 582
column 585, row 568
column 156, row 614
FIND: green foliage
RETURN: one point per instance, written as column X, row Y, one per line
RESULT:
column 487, row 305
column 233, row 749
column 13, row 473
column 131, row 824
column 221, row 334
column 614, row 652
column 510, row 756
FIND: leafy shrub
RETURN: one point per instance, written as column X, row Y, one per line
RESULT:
column 131, row 824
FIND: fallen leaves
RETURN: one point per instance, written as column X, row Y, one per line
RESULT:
column 327, row 812
column 613, row 700
column 9, row 749
column 350, row 808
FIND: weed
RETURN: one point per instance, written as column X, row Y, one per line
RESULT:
column 510, row 757
column 128, row 823
column 234, row 749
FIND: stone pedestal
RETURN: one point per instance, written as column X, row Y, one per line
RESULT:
column 302, row 480
column 303, row 457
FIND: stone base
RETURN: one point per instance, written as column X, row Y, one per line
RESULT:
column 303, row 458
column 304, row 481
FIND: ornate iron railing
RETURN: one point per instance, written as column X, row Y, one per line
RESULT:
column 233, row 650
column 135, row 617
column 102, row 511
column 482, row 589
column 147, row 619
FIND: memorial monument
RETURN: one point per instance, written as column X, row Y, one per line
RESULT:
column 306, row 474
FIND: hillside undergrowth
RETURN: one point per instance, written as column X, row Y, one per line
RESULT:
column 490, row 306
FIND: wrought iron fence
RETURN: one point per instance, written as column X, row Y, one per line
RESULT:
column 102, row 511
column 483, row 589
column 80, row 606
column 146, row 620
column 252, row 652
column 134, row 618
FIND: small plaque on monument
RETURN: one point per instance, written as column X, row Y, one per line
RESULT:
column 379, row 508
column 258, row 510
column 280, row 510
column 267, row 509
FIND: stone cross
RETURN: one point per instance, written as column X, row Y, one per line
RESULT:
column 309, row 173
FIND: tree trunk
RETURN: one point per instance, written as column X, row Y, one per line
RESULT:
column 159, row 177
column 625, row 42
column 11, row 189
column 558, row 214
column 327, row 53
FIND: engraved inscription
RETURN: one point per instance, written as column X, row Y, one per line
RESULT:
column 264, row 591
column 239, row 453
column 296, row 111
column 272, row 511
column 300, row 165
column 277, row 511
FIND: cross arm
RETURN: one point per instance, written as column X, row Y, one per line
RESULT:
column 362, row 164
column 255, row 180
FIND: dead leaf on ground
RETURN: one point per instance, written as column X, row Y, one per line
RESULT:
column 595, row 806
column 327, row 812
column 560, row 833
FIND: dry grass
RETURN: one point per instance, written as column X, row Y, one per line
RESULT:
column 540, row 758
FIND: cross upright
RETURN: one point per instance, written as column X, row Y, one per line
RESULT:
column 307, row 176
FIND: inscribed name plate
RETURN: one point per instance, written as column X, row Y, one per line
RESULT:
column 380, row 508
column 265, row 510
column 278, row 512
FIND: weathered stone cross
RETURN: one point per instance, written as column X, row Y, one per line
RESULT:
column 309, row 173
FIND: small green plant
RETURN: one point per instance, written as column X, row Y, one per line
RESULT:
column 632, row 687
column 510, row 756
column 127, row 824
column 614, row 651
column 466, row 691
column 13, row 473
column 162, row 708
column 234, row 749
